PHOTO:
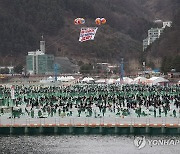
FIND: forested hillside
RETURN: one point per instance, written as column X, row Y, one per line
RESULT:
column 167, row 48
column 22, row 22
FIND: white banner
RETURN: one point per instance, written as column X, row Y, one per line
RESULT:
column 87, row 33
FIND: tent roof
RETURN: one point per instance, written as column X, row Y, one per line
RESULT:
column 140, row 78
column 101, row 81
column 125, row 80
column 110, row 81
column 65, row 78
column 88, row 79
column 157, row 79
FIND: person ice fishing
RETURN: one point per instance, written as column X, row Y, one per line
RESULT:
column 39, row 113
column 174, row 113
column 32, row 113
column 154, row 112
column 159, row 111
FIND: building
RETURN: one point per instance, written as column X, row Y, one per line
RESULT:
column 37, row 62
column 167, row 23
column 146, row 42
column 107, row 67
column 155, row 33
column 6, row 69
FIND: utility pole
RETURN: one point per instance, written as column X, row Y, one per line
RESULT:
column 122, row 69
column 55, row 71
column 144, row 68
column 12, row 69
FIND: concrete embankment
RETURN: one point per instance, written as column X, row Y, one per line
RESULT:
column 85, row 129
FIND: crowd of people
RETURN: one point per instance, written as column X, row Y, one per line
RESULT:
column 92, row 100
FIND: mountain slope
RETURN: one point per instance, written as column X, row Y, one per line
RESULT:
column 168, row 46
column 161, row 9
column 23, row 22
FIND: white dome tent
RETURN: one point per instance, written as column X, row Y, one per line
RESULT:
column 47, row 80
column 65, row 78
column 156, row 80
column 118, row 80
column 88, row 80
column 68, row 78
column 71, row 78
column 44, row 81
column 62, row 78
column 50, row 78
column 139, row 79
column 126, row 80
column 110, row 81
column 100, row 81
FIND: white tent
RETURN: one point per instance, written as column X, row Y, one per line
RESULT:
column 62, row 78
column 156, row 80
column 110, row 81
column 58, row 78
column 101, row 81
column 43, row 81
column 139, row 79
column 87, row 79
column 71, row 78
column 65, row 78
column 126, row 80
column 118, row 80
column 48, row 80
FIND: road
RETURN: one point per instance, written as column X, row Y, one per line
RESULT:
column 87, row 120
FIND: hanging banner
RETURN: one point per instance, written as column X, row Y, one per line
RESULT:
column 12, row 93
column 87, row 33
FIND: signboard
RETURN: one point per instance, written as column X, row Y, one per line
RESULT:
column 87, row 33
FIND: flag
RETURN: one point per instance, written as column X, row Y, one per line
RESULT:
column 87, row 33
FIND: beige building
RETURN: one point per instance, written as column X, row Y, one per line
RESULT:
column 155, row 33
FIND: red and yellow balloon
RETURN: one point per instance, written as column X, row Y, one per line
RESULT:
column 100, row 21
column 103, row 20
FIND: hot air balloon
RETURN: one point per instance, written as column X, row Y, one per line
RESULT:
column 82, row 20
column 98, row 21
column 103, row 20
column 76, row 22
column 79, row 21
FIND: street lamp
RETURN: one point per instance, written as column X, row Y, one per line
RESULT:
column 144, row 68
